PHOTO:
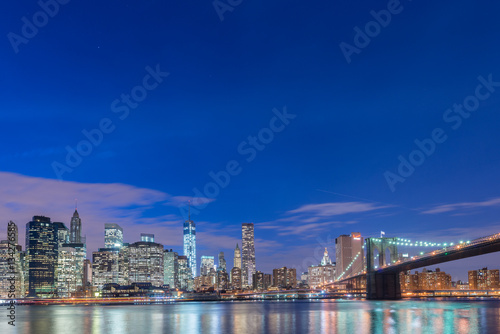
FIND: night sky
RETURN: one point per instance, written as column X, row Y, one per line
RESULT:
column 171, row 95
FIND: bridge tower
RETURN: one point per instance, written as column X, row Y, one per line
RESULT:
column 381, row 285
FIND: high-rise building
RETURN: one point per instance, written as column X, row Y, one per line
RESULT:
column 171, row 269
column 62, row 234
column 248, row 256
column 146, row 237
column 285, row 277
column 222, row 262
column 42, row 252
column 236, row 282
column 326, row 259
column 484, row 279
column 113, row 236
column 11, row 273
column 184, row 273
column 207, row 263
column 237, row 257
column 76, row 228
column 66, row 274
column 146, row 263
column 87, row 277
column 347, row 247
column 105, row 267
column 426, row 280
column 222, row 280
column 190, row 244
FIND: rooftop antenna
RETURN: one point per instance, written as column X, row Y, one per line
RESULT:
column 189, row 216
column 76, row 204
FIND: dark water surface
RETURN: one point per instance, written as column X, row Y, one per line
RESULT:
column 327, row 316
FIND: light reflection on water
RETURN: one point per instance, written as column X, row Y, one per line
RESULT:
column 328, row 316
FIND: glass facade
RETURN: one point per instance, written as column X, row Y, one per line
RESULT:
column 42, row 252
column 190, row 245
column 113, row 236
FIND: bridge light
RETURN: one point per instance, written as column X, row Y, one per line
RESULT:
column 421, row 253
column 452, row 244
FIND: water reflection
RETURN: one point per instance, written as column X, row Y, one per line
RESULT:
column 326, row 316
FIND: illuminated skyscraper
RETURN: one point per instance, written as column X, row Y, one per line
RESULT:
column 42, row 253
column 346, row 249
column 184, row 273
column 62, row 233
column 67, row 280
column 76, row 228
column 237, row 257
column 146, row 237
column 171, row 269
column 236, row 278
column 113, row 236
column 190, row 244
column 248, row 256
column 207, row 263
column 105, row 267
column 146, row 263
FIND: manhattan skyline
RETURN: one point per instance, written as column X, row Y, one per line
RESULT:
column 312, row 176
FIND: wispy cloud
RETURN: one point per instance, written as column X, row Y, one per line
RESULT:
column 310, row 220
column 463, row 206
column 337, row 208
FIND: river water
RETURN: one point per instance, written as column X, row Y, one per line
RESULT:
column 327, row 316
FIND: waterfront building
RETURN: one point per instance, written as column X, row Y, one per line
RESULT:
column 426, row 280
column 11, row 271
column 236, row 279
column 285, row 278
column 207, row 263
column 261, row 281
column 190, row 244
column 222, row 280
column 42, row 252
column 184, row 273
column 105, row 267
column 347, row 247
column 483, row 279
column 66, row 273
column 248, row 267
column 171, row 269
column 113, row 236
column 320, row 275
column 146, row 263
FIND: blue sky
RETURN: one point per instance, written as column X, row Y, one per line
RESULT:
column 321, row 176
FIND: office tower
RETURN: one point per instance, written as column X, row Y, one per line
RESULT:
column 184, row 273
column 236, row 282
column 347, row 247
column 62, row 234
column 171, row 269
column 484, row 279
column 222, row 262
column 285, row 277
column 113, row 236
column 11, row 271
column 66, row 278
column 207, row 263
column 146, row 263
column 190, row 244
column 222, row 280
column 42, row 252
column 248, row 256
column 76, row 228
column 237, row 257
column 146, row 237
column 105, row 267
column 320, row 275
